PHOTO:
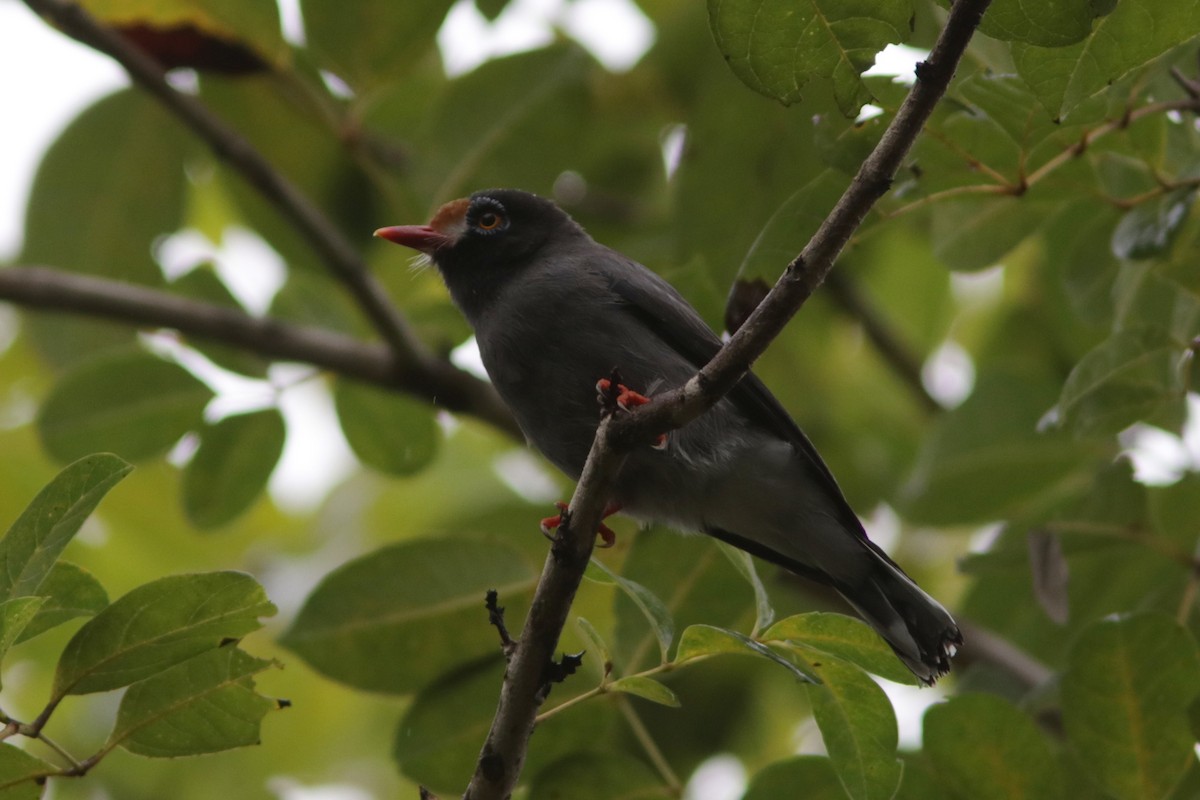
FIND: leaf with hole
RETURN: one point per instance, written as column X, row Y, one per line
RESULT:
column 776, row 47
column 203, row 705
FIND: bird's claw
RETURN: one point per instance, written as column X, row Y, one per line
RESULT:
column 613, row 395
column 608, row 537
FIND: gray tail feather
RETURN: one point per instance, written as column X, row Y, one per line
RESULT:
column 922, row 633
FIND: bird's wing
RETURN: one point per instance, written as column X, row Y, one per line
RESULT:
column 664, row 311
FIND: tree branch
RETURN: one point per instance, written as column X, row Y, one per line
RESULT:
column 504, row 751
column 342, row 258
column 433, row 379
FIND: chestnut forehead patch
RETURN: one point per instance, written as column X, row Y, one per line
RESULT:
column 450, row 217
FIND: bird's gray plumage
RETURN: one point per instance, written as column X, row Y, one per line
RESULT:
column 554, row 311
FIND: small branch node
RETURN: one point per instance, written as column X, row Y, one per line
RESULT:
column 496, row 618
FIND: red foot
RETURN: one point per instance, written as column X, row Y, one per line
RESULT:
column 607, row 537
column 627, row 399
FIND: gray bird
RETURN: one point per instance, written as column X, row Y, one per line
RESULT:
column 554, row 311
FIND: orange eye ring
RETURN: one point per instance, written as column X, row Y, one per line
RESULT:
column 489, row 221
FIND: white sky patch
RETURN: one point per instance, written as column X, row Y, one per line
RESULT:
column 721, row 777
column 1161, row 458
column 466, row 356
column 898, row 60
column 50, row 79
column 315, row 456
column 522, row 472
column 248, row 266
column 468, row 39
column 883, row 526
column 671, row 142
column 292, row 22
column 911, row 703
column 616, row 32
column 288, row 788
column 978, row 288
column 949, row 374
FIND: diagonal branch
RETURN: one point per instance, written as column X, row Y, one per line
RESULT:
column 503, row 753
column 341, row 257
column 433, row 379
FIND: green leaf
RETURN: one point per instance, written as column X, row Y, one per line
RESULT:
column 974, row 234
column 1147, row 295
column 79, row 213
column 845, row 637
column 395, row 619
column 652, row 608
column 386, row 430
column 377, row 43
column 15, row 616
column 203, row 705
column 35, row 541
column 810, row 777
column 790, row 227
column 1174, row 509
column 521, row 115
column 158, row 625
column 598, row 776
column 776, row 47
column 987, row 459
column 1125, row 695
column 744, row 564
column 1078, row 240
column 231, row 467
column 858, row 726
column 708, row 640
column 596, row 643
column 1136, row 32
column 984, row 748
column 21, row 774
column 1148, row 230
column 1047, row 24
column 1132, row 375
column 131, row 403
column 69, row 591
column 647, row 689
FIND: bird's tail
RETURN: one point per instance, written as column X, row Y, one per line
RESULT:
column 922, row 633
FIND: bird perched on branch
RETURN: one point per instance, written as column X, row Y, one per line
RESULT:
column 554, row 312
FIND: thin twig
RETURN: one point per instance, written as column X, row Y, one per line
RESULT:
column 653, row 752
column 986, row 646
column 435, row 380
column 339, row 255
column 503, row 753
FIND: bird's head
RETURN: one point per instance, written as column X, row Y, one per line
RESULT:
column 480, row 239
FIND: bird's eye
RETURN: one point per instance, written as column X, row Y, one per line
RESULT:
column 489, row 221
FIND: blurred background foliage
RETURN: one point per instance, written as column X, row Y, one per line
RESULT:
column 999, row 372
